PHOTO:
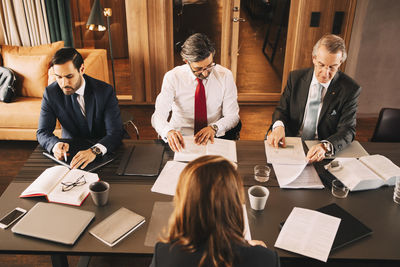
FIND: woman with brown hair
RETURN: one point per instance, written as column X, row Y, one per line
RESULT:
column 207, row 225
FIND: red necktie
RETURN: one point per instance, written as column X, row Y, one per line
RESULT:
column 200, row 107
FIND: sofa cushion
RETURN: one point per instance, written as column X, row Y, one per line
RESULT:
column 12, row 57
column 31, row 73
column 46, row 49
column 22, row 113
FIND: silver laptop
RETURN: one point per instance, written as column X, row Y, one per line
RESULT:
column 54, row 222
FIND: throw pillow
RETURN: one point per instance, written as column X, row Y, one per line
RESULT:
column 31, row 72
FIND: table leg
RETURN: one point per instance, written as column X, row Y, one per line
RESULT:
column 59, row 260
column 84, row 261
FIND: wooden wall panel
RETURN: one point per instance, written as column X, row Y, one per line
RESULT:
column 150, row 46
column 301, row 37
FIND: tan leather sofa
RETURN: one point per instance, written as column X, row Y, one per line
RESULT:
column 19, row 119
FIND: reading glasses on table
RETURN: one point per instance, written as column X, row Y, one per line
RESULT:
column 69, row 185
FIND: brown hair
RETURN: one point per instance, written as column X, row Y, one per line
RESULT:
column 333, row 44
column 208, row 210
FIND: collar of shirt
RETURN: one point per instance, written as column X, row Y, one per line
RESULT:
column 194, row 76
column 81, row 89
column 315, row 81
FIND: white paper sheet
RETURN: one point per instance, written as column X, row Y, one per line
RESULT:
column 297, row 176
column 309, row 233
column 293, row 153
column 225, row 148
column 168, row 179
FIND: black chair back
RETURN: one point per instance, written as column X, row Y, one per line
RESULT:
column 388, row 126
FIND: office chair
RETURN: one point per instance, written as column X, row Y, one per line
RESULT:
column 131, row 129
column 234, row 133
column 387, row 128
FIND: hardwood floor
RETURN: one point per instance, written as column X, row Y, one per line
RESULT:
column 255, row 119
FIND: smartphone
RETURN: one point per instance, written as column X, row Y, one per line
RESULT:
column 11, row 217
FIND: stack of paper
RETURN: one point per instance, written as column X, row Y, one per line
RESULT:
column 290, row 165
column 221, row 147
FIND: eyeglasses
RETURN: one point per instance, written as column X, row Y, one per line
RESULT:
column 69, row 185
column 208, row 68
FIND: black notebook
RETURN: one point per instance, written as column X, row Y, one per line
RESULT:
column 350, row 228
column 77, row 145
column 141, row 160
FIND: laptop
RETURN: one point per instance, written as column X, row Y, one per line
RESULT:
column 54, row 222
column 77, row 145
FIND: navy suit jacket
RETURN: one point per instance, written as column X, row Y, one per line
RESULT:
column 102, row 115
column 337, row 119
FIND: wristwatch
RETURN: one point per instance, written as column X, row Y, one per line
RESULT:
column 95, row 150
column 214, row 127
column 328, row 149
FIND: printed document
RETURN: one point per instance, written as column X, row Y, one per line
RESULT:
column 293, row 153
column 297, row 176
column 309, row 233
column 221, row 147
column 168, row 179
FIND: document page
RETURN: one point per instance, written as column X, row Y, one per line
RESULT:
column 297, row 176
column 77, row 193
column 383, row 166
column 46, row 181
column 191, row 151
column 293, row 153
column 222, row 147
column 355, row 175
column 168, row 179
column 309, row 233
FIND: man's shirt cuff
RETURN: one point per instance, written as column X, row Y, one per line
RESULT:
column 102, row 148
column 277, row 123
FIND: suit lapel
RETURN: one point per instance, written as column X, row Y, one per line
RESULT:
column 89, row 105
column 304, row 87
column 330, row 95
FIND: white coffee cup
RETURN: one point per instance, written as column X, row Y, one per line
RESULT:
column 258, row 196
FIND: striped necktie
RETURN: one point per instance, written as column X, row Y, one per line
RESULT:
column 310, row 121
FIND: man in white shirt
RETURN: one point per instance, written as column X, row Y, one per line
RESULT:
column 318, row 103
column 201, row 94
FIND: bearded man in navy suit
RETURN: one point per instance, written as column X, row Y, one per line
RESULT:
column 318, row 103
column 85, row 107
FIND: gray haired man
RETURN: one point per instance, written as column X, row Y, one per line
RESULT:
column 318, row 103
column 201, row 94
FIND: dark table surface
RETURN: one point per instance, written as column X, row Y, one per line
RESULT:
column 375, row 208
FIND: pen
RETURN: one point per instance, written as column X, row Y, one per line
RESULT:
column 65, row 156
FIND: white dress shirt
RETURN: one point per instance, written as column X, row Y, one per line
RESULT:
column 178, row 92
column 81, row 100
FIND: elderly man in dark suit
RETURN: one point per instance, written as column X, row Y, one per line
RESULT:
column 85, row 107
column 318, row 103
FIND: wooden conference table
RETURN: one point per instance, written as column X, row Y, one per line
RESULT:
column 375, row 208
